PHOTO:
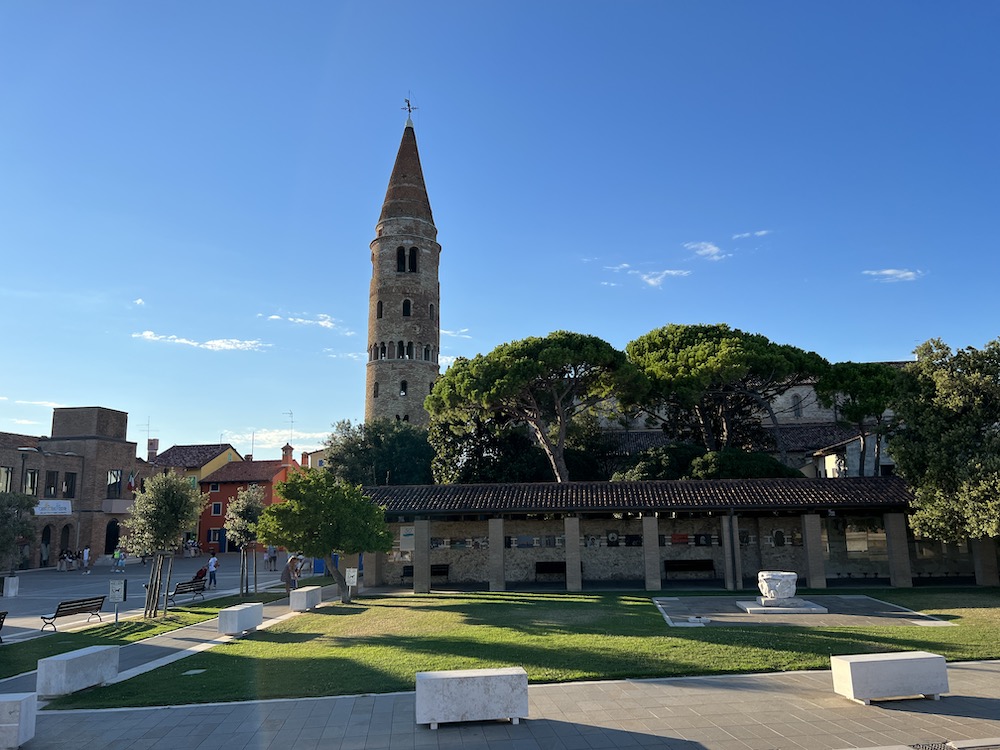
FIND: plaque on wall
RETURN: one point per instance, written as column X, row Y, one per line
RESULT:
column 612, row 537
column 633, row 540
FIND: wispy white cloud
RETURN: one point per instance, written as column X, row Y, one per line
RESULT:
column 706, row 250
column 25, row 421
column 758, row 233
column 46, row 404
column 322, row 320
column 889, row 275
column 355, row 356
column 139, row 302
column 446, row 361
column 610, row 283
column 656, row 278
column 619, row 267
column 273, row 440
column 461, row 333
column 215, row 345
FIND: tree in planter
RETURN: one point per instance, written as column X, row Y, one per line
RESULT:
column 15, row 527
column 322, row 516
column 163, row 510
column 242, row 517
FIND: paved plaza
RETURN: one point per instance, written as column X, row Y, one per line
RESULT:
column 783, row 711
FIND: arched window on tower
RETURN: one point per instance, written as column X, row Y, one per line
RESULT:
column 399, row 350
column 430, row 311
column 430, row 387
column 402, row 388
column 382, row 351
column 375, row 390
column 413, row 259
column 400, row 259
column 427, row 354
column 378, row 309
column 409, row 350
column 407, row 306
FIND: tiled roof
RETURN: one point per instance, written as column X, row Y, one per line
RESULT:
column 245, row 471
column 12, row 441
column 192, row 456
column 716, row 495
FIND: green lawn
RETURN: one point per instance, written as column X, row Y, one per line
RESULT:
column 17, row 658
column 376, row 645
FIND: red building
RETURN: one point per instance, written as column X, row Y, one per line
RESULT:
column 223, row 484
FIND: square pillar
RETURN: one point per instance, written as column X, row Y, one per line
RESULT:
column 900, row 574
column 984, row 560
column 497, row 575
column 374, row 568
column 651, row 552
column 733, row 574
column 421, row 556
column 574, row 569
column 812, row 542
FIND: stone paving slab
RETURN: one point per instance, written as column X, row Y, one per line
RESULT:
column 843, row 611
column 784, row 711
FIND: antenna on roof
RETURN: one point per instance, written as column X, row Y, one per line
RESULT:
column 291, row 424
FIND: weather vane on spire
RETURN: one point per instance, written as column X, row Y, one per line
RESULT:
column 409, row 107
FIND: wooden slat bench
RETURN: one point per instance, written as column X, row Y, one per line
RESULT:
column 195, row 588
column 91, row 606
column 438, row 570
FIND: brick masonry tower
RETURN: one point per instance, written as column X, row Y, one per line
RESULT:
column 403, row 302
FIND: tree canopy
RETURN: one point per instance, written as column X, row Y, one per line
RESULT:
column 242, row 516
column 477, row 449
column 322, row 515
column 15, row 525
column 719, row 379
column 379, row 452
column 166, row 507
column 948, row 443
column 539, row 382
column 861, row 393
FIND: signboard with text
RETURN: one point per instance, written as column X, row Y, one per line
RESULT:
column 48, row 507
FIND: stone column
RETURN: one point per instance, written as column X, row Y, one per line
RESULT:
column 651, row 552
column 812, row 542
column 900, row 574
column 731, row 553
column 374, row 568
column 497, row 576
column 574, row 573
column 421, row 556
column 984, row 560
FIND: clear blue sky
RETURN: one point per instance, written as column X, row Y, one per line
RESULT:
column 188, row 190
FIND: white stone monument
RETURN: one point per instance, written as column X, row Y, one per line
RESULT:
column 777, row 589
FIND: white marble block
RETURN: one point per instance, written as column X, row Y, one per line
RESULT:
column 472, row 695
column 17, row 719
column 76, row 670
column 240, row 617
column 866, row 677
column 307, row 597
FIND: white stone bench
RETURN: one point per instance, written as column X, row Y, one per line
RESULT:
column 17, row 719
column 307, row 597
column 240, row 617
column 471, row 695
column 76, row 670
column 866, row 677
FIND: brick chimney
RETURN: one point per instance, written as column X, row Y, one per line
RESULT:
column 152, row 448
column 304, row 463
column 286, row 455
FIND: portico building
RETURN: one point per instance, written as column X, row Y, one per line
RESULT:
column 659, row 535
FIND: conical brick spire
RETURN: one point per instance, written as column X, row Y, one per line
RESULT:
column 406, row 196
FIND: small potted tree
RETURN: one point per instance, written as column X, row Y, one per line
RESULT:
column 16, row 529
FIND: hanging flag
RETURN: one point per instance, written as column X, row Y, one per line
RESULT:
column 131, row 481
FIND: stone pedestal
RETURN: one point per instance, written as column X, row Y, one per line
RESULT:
column 10, row 585
column 865, row 677
column 76, row 670
column 471, row 695
column 17, row 719
column 305, row 598
column 235, row 620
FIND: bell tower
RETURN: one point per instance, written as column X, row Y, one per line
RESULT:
column 403, row 301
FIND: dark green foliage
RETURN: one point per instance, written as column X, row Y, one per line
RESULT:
column 668, row 462
column 732, row 464
column 479, row 450
column 380, row 452
column 15, row 526
column 948, row 446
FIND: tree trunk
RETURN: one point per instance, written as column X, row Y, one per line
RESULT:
column 863, row 437
column 345, row 590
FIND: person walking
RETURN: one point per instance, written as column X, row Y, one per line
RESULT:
column 213, row 564
column 86, row 560
column 290, row 574
column 272, row 557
